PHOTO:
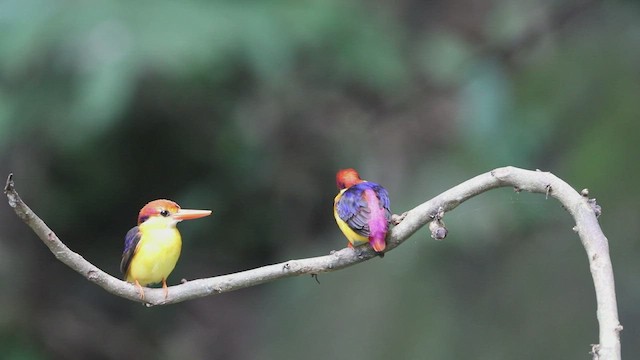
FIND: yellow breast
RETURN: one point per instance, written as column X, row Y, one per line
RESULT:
column 156, row 254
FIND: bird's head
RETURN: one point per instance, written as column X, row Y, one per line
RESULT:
column 346, row 178
column 170, row 211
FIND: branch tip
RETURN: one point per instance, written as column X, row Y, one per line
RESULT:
column 9, row 185
column 438, row 230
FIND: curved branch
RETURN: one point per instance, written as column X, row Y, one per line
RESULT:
column 583, row 210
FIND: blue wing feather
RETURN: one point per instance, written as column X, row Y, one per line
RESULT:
column 352, row 207
column 130, row 243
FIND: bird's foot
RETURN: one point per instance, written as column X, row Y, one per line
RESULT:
column 140, row 290
column 165, row 288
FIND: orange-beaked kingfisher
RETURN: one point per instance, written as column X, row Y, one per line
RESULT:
column 152, row 249
column 361, row 209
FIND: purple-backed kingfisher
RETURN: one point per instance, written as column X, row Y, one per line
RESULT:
column 361, row 209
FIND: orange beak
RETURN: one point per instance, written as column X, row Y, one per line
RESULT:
column 186, row 214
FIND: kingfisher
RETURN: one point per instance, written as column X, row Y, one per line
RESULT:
column 361, row 209
column 152, row 249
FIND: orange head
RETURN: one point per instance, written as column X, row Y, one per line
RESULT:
column 346, row 178
column 168, row 208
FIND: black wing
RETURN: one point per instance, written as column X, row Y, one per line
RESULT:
column 130, row 243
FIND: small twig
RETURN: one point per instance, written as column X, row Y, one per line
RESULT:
column 583, row 210
column 397, row 219
column 315, row 277
column 436, row 226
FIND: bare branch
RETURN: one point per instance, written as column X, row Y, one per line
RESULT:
column 578, row 205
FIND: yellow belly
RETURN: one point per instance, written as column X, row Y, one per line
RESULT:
column 156, row 256
column 354, row 238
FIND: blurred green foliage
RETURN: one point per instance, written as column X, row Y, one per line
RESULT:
column 249, row 108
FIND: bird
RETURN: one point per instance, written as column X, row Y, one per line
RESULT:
column 361, row 209
column 152, row 248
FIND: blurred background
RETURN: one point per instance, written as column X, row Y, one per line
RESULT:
column 248, row 108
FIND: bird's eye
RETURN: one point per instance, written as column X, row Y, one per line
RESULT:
column 164, row 213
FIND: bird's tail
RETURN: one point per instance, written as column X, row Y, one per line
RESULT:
column 378, row 242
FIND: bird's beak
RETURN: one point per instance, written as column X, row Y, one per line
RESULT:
column 186, row 214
